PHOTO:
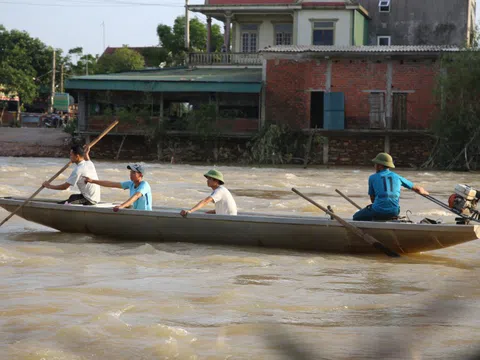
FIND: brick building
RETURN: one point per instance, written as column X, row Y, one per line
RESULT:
column 337, row 88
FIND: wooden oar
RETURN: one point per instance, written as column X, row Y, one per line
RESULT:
column 105, row 132
column 348, row 199
column 357, row 231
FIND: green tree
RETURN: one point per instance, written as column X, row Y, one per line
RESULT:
column 173, row 38
column 123, row 59
column 458, row 122
column 25, row 63
column 154, row 56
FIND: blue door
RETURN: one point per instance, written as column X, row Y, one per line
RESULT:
column 334, row 111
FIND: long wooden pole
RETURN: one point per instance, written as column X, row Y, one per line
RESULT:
column 357, row 231
column 348, row 199
column 105, row 132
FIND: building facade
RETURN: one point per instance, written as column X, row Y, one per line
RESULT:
column 372, row 87
column 252, row 25
column 425, row 22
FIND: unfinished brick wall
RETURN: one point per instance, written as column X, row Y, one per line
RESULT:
column 289, row 83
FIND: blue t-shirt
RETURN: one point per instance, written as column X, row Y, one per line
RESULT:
column 385, row 186
column 144, row 202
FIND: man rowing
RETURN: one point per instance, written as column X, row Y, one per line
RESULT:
column 140, row 192
column 384, row 190
column 89, row 193
column 223, row 199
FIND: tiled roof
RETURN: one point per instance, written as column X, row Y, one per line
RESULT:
column 360, row 49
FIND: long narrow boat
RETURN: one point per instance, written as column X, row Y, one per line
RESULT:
column 269, row 230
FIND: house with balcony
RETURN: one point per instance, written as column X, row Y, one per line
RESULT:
column 252, row 25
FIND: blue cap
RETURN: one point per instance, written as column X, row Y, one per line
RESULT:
column 137, row 168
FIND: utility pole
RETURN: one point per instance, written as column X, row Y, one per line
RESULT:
column 61, row 79
column 103, row 25
column 53, row 82
column 187, row 27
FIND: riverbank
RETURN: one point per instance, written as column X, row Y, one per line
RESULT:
column 294, row 148
column 33, row 142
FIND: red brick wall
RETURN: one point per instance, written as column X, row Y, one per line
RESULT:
column 287, row 98
column 421, row 77
column 289, row 83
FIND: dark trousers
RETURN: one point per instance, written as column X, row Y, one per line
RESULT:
column 368, row 214
column 77, row 199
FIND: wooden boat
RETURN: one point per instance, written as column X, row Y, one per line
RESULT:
column 310, row 233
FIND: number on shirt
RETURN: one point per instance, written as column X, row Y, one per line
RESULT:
column 390, row 180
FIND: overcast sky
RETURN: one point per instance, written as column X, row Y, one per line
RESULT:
column 67, row 24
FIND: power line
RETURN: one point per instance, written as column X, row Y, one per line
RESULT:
column 83, row 4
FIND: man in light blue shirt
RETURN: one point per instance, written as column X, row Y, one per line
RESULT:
column 140, row 191
column 384, row 189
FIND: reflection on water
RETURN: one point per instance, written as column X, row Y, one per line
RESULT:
column 78, row 296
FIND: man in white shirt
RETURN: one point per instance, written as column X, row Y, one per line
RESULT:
column 89, row 193
column 223, row 199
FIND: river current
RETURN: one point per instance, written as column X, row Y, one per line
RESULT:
column 78, row 296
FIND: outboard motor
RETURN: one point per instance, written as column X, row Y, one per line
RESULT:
column 464, row 202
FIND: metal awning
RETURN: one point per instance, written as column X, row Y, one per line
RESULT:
column 242, row 80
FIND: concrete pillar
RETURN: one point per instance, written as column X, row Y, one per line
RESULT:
column 328, row 76
column 209, row 34
column 325, row 152
column 389, row 95
column 82, row 111
column 226, row 40
column 386, row 144
column 160, row 117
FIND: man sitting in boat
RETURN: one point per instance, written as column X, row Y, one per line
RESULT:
column 223, row 199
column 89, row 193
column 384, row 190
column 140, row 191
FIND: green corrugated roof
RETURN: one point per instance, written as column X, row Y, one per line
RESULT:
column 174, row 80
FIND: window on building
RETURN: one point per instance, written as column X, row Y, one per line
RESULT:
column 384, row 40
column 323, row 33
column 249, row 36
column 283, row 34
column 384, row 6
column 376, row 101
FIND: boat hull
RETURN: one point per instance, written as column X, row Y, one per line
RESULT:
column 267, row 230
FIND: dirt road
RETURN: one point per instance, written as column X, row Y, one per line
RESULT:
column 33, row 142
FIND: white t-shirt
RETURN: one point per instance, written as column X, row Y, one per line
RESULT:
column 224, row 202
column 91, row 192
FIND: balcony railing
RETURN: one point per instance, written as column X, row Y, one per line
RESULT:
column 224, row 59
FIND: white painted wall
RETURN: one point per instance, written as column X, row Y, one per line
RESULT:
column 343, row 25
column 302, row 31
column 266, row 26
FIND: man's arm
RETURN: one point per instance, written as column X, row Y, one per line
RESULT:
column 420, row 190
column 106, row 183
column 63, row 186
column 86, row 147
column 129, row 202
column 200, row 205
column 410, row 185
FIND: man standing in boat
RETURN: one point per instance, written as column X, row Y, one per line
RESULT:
column 89, row 193
column 223, row 199
column 384, row 190
column 140, row 191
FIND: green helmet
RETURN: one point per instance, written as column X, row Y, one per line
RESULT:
column 215, row 174
column 384, row 159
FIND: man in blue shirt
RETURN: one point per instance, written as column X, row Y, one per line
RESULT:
column 140, row 191
column 384, row 190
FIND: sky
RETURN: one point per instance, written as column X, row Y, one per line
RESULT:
column 66, row 24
